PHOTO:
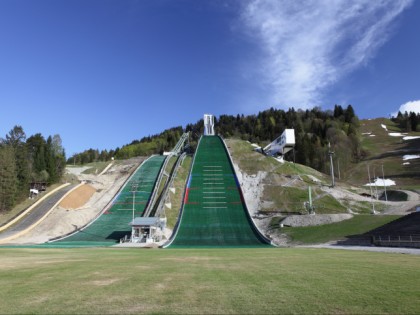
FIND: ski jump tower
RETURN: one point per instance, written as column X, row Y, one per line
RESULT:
column 208, row 125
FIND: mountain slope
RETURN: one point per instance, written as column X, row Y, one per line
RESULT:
column 386, row 145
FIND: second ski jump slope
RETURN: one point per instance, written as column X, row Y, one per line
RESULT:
column 113, row 224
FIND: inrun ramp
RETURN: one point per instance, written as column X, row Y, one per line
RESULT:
column 113, row 224
column 214, row 211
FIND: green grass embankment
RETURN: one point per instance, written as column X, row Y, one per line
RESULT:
column 207, row 281
column 359, row 224
column 286, row 185
column 95, row 167
column 179, row 185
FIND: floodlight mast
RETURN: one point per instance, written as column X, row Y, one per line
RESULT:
column 133, row 190
column 371, row 192
column 383, row 180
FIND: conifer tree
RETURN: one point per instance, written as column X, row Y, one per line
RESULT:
column 8, row 178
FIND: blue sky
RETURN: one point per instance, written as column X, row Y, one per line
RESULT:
column 103, row 73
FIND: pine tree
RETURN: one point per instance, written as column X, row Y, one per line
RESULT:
column 36, row 149
column 50, row 162
column 8, row 177
column 16, row 139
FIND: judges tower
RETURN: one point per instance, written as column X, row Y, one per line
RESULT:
column 208, row 125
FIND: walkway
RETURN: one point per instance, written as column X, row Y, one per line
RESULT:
column 34, row 215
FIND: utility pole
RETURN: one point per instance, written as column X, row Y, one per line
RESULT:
column 383, row 180
column 371, row 192
column 331, row 153
column 310, row 207
column 376, row 186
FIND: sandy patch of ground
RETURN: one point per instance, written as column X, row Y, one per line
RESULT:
column 78, row 197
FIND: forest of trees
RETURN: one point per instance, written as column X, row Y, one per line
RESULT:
column 408, row 121
column 155, row 144
column 25, row 160
column 91, row 155
column 314, row 129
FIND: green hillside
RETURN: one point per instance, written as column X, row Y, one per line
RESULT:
column 285, row 185
column 382, row 148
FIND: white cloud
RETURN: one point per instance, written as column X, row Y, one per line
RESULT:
column 309, row 45
column 412, row 106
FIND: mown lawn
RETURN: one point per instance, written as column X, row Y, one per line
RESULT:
column 207, row 281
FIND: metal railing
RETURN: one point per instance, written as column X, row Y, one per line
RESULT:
column 155, row 196
column 395, row 238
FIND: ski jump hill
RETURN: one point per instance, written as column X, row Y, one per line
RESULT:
column 214, row 213
column 113, row 223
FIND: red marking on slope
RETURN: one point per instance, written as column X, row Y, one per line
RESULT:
column 186, row 195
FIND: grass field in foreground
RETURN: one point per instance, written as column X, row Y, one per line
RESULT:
column 211, row 281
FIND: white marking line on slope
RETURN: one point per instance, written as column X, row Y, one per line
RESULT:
column 214, row 207
column 224, row 202
column 214, row 192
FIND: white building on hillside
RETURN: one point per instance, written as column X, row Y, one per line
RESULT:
column 282, row 144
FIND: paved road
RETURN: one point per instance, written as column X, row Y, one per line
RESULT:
column 397, row 250
column 36, row 214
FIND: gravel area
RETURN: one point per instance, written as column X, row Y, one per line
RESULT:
column 314, row 219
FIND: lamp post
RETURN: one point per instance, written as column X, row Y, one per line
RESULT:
column 134, row 189
column 383, row 180
column 371, row 192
